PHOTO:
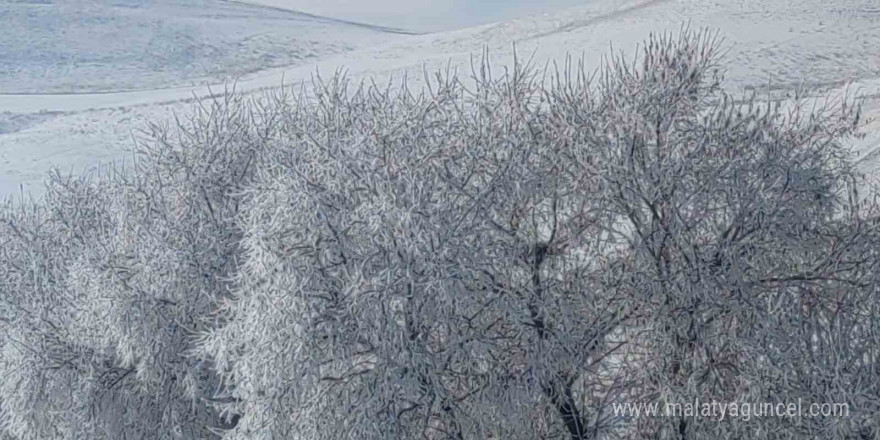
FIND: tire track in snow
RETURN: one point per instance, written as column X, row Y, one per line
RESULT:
column 601, row 18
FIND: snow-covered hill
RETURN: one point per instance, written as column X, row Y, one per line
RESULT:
column 60, row 46
column 775, row 43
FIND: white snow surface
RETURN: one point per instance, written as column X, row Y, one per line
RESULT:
column 829, row 44
column 61, row 46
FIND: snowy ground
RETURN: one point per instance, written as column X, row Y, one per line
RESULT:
column 60, row 46
column 824, row 43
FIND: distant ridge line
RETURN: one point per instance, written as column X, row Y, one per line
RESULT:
column 388, row 29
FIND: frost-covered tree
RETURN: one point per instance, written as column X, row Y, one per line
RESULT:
column 421, row 265
column 503, row 256
column 107, row 280
column 751, row 246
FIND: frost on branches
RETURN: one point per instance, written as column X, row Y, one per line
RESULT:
column 503, row 255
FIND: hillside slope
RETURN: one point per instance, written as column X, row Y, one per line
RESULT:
column 63, row 46
column 779, row 44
